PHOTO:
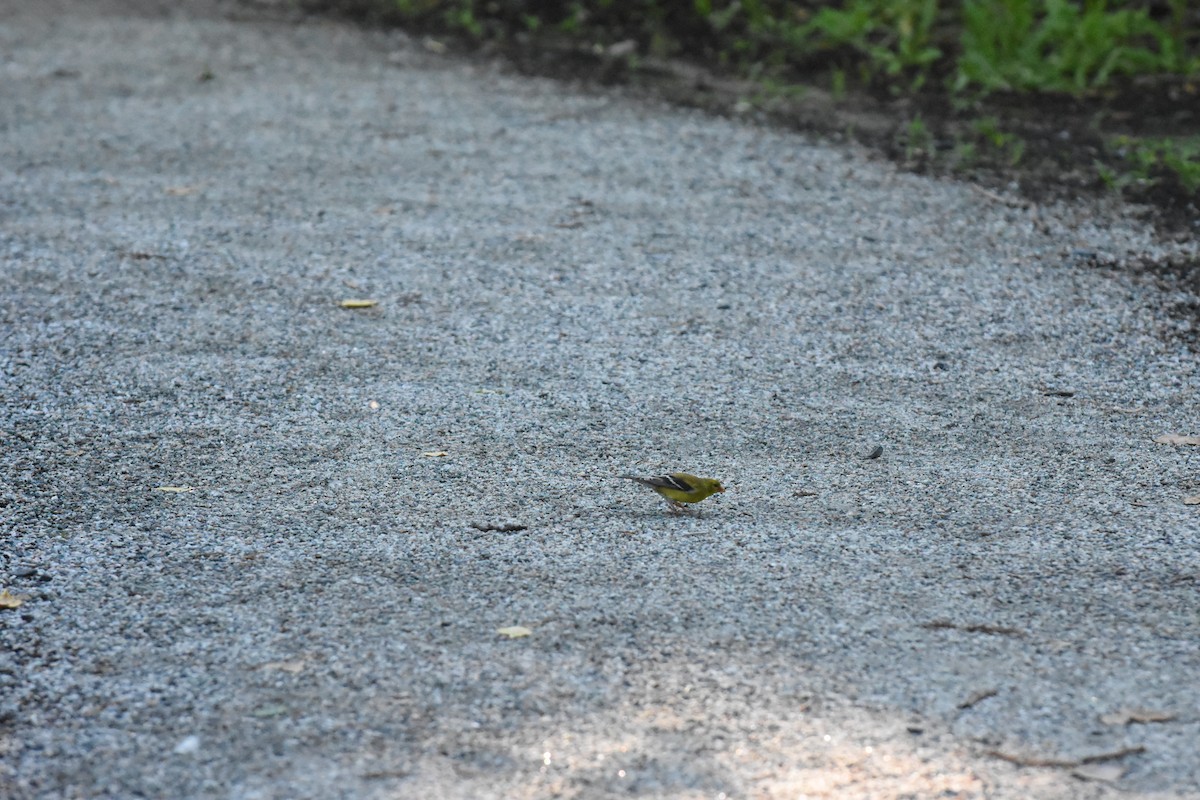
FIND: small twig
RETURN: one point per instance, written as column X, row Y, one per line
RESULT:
column 1031, row 761
column 503, row 527
column 1115, row 754
column 1034, row 761
column 140, row 255
column 978, row 697
column 997, row 630
column 990, row 195
column 385, row 773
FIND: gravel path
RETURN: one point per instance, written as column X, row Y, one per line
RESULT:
column 569, row 285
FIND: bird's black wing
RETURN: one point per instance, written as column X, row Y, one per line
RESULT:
column 663, row 482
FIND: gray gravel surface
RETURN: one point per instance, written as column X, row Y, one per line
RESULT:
column 570, row 285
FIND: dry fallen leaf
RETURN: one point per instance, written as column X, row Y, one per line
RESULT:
column 515, row 632
column 176, row 489
column 358, row 303
column 1176, row 438
column 435, row 454
column 1194, row 500
column 10, row 600
column 1125, row 716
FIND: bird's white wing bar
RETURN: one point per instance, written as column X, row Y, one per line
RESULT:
column 670, row 482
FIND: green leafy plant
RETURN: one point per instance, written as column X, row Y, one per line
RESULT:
column 917, row 140
column 894, row 35
column 1008, row 144
column 1151, row 160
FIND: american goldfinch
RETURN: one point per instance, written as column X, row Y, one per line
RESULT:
column 680, row 488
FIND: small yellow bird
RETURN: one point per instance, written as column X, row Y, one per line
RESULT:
column 680, row 488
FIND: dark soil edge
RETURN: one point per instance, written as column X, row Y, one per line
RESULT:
column 1061, row 136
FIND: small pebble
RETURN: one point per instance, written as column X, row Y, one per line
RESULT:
column 187, row 745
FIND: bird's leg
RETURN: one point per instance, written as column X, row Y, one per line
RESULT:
column 677, row 507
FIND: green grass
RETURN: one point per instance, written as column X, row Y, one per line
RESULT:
column 1062, row 46
column 960, row 51
column 1070, row 46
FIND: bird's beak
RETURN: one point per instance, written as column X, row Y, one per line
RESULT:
column 720, row 488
